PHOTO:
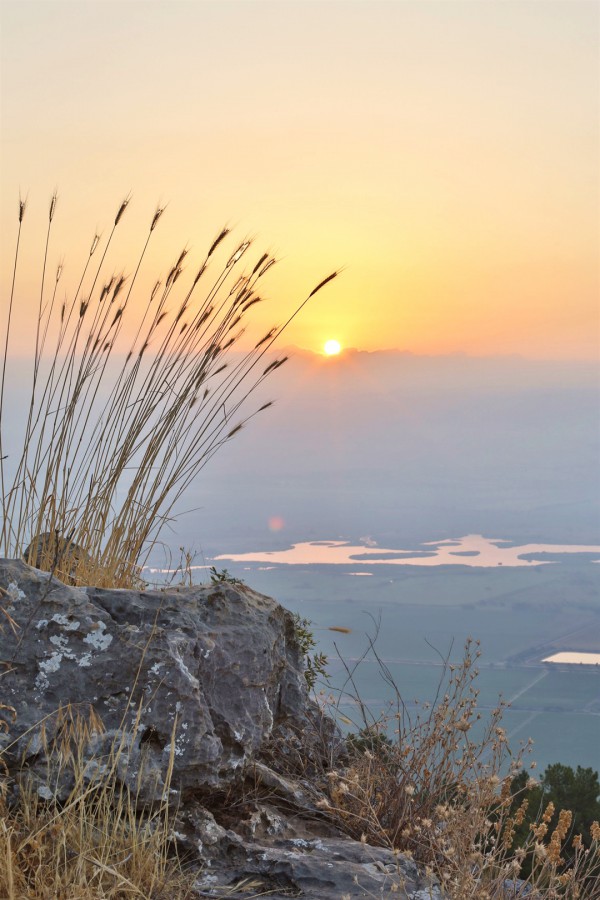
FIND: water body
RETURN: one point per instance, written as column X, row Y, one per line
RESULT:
column 471, row 550
column 579, row 659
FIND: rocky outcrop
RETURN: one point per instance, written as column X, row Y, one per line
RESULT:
column 212, row 669
column 192, row 693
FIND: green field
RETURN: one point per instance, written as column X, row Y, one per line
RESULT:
column 422, row 615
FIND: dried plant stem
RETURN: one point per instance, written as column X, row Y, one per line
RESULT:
column 111, row 442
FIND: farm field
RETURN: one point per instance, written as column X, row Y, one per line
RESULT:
column 423, row 615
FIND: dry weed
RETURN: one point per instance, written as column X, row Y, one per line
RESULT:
column 436, row 785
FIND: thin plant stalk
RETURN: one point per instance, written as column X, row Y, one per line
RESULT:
column 111, row 443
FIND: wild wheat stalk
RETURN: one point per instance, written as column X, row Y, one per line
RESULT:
column 105, row 457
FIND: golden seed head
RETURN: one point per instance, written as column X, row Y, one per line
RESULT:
column 159, row 211
column 217, row 241
column 52, row 209
column 235, row 257
column 549, row 812
column 259, row 263
column 122, row 209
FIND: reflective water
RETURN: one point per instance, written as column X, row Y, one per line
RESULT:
column 470, row 550
column 586, row 659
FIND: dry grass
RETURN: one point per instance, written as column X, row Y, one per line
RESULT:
column 98, row 842
column 111, row 441
column 422, row 783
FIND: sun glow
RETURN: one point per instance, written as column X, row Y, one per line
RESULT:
column 332, row 348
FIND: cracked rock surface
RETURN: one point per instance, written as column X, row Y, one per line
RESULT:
column 217, row 666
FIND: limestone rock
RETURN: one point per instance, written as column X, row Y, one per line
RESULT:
column 53, row 553
column 327, row 868
column 205, row 672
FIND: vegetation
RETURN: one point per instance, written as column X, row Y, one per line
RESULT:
column 223, row 577
column 561, row 792
column 98, row 842
column 130, row 397
column 315, row 662
column 117, row 427
column 440, row 785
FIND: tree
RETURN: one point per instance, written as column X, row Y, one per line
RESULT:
column 577, row 791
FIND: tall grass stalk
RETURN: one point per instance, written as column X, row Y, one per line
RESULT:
column 106, row 456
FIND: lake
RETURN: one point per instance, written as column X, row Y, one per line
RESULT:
column 471, row 550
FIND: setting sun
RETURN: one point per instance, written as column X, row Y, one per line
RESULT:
column 332, row 348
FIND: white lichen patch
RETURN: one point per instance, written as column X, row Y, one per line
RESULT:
column 155, row 669
column 98, row 638
column 205, row 881
column 41, row 624
column 85, row 661
column 14, row 592
column 67, row 624
column 300, row 842
column 44, row 792
column 60, row 641
column 52, row 663
column 211, row 832
column 47, row 667
column 307, row 845
column 178, row 746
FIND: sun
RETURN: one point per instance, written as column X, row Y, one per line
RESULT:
column 332, row 348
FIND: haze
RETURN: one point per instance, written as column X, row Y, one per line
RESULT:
column 446, row 153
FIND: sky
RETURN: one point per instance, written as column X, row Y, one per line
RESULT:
column 443, row 153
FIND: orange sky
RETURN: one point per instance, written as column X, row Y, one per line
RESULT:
column 445, row 153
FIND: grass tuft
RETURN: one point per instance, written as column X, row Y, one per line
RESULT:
column 113, row 439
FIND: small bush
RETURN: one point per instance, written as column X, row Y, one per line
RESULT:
column 432, row 785
column 315, row 663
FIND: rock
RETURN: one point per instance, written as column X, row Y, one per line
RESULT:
column 320, row 869
column 52, row 553
column 208, row 671
column 196, row 694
